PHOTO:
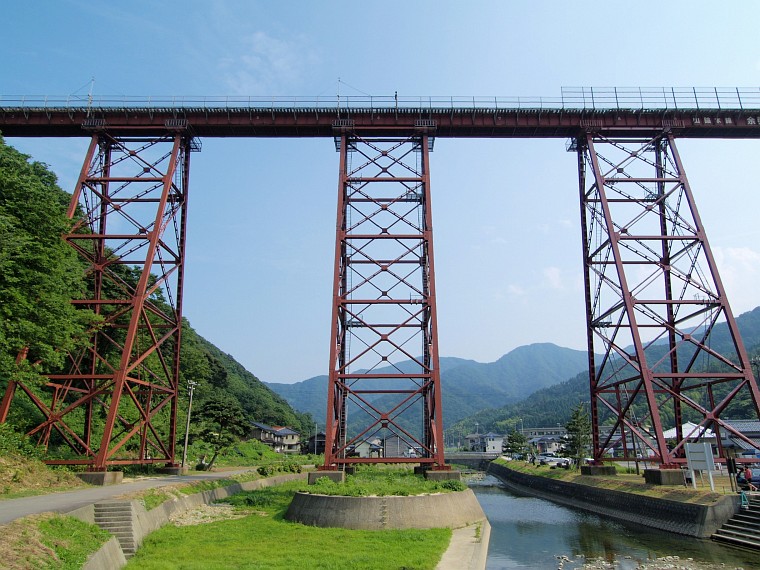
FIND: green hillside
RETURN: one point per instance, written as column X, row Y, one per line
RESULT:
column 40, row 274
column 553, row 405
column 467, row 386
column 216, row 371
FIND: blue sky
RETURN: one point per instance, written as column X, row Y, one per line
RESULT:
column 506, row 215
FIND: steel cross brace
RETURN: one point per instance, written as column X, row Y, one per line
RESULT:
column 384, row 311
column 128, row 212
column 653, row 299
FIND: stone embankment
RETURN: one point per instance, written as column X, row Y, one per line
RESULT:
column 690, row 519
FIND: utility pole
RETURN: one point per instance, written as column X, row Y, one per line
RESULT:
column 190, row 386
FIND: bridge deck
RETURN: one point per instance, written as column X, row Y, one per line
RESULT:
column 296, row 121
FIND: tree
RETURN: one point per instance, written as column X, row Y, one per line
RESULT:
column 39, row 273
column 222, row 424
column 516, row 443
column 578, row 438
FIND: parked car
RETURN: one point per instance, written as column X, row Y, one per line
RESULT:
column 553, row 460
column 563, row 462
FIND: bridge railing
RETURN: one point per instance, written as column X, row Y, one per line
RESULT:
column 571, row 98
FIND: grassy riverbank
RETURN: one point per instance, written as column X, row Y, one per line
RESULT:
column 627, row 483
column 263, row 539
column 49, row 541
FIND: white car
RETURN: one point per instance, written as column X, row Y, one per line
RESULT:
column 553, row 460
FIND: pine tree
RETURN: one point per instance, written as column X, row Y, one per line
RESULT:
column 516, row 444
column 578, row 438
column 223, row 423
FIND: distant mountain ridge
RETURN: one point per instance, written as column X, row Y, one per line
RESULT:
column 467, row 386
column 553, row 404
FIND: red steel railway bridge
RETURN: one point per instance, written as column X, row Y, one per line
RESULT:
column 652, row 290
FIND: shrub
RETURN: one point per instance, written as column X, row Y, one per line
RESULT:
column 15, row 443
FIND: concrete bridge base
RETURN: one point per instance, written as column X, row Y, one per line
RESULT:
column 336, row 476
column 450, row 510
column 101, row 477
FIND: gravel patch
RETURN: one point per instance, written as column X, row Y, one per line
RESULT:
column 207, row 514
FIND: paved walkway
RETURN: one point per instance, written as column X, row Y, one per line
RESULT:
column 466, row 551
column 13, row 509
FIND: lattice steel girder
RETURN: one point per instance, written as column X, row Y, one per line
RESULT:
column 654, row 298
column 384, row 348
column 129, row 211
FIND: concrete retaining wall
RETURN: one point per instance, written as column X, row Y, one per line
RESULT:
column 452, row 510
column 109, row 556
column 144, row 522
column 682, row 518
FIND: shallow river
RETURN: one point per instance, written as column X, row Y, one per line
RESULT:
column 527, row 532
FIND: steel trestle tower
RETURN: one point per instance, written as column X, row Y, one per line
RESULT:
column 653, row 294
column 384, row 383
column 654, row 298
column 128, row 211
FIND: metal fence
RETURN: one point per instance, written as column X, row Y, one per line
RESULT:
column 571, row 98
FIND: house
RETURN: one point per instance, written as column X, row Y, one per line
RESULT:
column 373, row 448
column 749, row 428
column 315, row 444
column 692, row 432
column 485, row 442
column 395, row 446
column 280, row 439
column 546, row 443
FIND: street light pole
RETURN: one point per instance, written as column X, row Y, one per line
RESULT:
column 190, row 386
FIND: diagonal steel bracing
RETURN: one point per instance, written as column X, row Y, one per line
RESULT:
column 384, row 384
column 128, row 212
column 654, row 298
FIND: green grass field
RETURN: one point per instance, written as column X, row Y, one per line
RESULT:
column 264, row 540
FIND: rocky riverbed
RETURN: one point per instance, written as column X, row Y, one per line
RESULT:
column 628, row 563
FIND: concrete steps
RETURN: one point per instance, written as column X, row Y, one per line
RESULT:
column 117, row 517
column 743, row 529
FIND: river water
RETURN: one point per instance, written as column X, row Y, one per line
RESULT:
column 527, row 532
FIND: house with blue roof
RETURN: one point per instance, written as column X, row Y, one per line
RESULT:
column 280, row 439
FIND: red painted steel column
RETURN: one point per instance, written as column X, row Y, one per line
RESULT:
column 129, row 211
column 654, row 300
column 384, row 398
column 334, row 439
column 434, row 419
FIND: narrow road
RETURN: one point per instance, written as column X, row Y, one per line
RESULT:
column 13, row 509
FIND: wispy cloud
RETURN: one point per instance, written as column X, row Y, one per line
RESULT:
column 267, row 64
column 553, row 278
column 739, row 269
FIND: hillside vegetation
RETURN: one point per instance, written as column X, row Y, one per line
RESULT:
column 40, row 274
column 467, row 386
column 553, row 405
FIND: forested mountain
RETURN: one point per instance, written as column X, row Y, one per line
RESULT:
column 218, row 372
column 553, row 405
column 40, row 274
column 467, row 386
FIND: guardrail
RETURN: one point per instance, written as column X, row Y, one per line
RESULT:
column 571, row 98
